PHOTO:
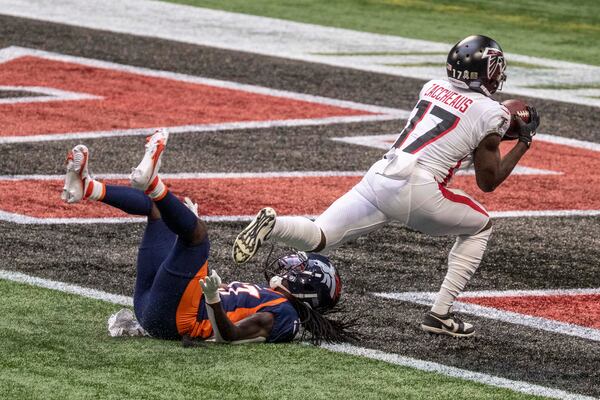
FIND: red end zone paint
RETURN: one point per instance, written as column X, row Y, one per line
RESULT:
column 133, row 100
column 216, row 197
column 582, row 309
column 575, row 189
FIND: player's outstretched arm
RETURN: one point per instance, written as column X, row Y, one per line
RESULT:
column 256, row 325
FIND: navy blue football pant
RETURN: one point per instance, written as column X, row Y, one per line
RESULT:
column 167, row 293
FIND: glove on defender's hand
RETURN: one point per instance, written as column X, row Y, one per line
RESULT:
column 210, row 287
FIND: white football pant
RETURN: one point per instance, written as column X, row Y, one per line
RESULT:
column 420, row 203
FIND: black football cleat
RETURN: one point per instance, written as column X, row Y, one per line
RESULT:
column 252, row 237
column 447, row 324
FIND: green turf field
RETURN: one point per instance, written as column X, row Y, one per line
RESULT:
column 55, row 345
column 566, row 30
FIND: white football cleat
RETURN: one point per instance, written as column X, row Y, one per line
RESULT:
column 146, row 172
column 251, row 238
column 77, row 177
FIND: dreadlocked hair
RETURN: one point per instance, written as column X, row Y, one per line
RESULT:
column 318, row 328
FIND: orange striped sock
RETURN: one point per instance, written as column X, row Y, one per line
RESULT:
column 157, row 190
column 94, row 190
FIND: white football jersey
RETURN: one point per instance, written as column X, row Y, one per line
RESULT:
column 446, row 126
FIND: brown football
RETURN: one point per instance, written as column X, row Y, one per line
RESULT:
column 517, row 109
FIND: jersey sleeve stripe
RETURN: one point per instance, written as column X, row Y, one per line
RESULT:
column 240, row 313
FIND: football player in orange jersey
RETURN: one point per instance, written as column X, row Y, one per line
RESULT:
column 175, row 297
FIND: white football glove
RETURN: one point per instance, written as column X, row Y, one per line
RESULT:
column 210, row 287
column 191, row 205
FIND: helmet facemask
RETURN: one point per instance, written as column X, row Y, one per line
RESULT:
column 296, row 274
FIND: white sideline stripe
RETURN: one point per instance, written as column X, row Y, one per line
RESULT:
column 28, row 220
column 580, row 144
column 200, row 175
column 544, row 213
column 385, row 141
column 536, row 292
column 50, row 94
column 227, row 126
column 565, row 328
column 66, row 287
column 472, row 376
column 240, row 175
column 426, row 366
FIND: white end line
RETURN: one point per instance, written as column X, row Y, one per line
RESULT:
column 390, row 358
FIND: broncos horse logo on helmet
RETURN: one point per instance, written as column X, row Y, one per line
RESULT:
column 477, row 63
column 309, row 277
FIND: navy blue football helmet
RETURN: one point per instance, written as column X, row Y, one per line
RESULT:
column 477, row 63
column 310, row 278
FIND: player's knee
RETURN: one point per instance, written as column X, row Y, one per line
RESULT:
column 199, row 234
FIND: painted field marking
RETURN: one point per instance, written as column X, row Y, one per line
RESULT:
column 38, row 200
column 467, row 303
column 122, row 100
column 556, row 174
column 421, row 365
column 394, row 55
column 47, row 95
column 472, row 376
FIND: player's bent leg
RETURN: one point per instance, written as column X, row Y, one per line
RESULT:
column 170, row 308
column 463, row 261
column 178, row 217
column 157, row 242
column 437, row 210
column 349, row 217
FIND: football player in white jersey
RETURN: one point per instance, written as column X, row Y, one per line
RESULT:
column 454, row 122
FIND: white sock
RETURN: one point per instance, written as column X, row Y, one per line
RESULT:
column 297, row 232
column 463, row 261
column 94, row 190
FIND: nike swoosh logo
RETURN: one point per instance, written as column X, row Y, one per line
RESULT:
column 450, row 327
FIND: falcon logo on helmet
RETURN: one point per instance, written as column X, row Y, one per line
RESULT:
column 477, row 63
column 496, row 63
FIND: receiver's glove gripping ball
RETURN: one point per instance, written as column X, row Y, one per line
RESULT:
column 527, row 129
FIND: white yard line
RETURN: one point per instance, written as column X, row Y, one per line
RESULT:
column 385, row 141
column 204, row 175
column 300, row 41
column 428, row 366
column 207, row 128
column 66, row 287
column 390, row 358
column 427, row 298
column 48, row 94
